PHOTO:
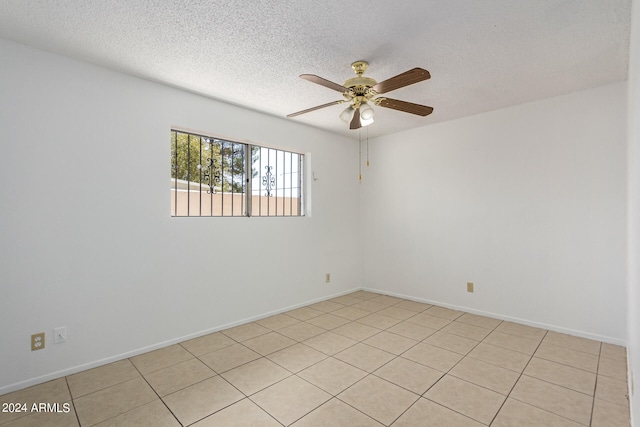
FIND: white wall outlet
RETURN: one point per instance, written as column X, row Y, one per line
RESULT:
column 60, row 335
column 327, row 278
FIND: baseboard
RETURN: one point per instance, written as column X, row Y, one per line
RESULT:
column 582, row 334
column 79, row 368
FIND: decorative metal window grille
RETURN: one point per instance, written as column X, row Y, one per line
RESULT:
column 215, row 177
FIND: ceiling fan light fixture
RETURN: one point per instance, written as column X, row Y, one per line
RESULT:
column 366, row 112
column 366, row 122
column 347, row 114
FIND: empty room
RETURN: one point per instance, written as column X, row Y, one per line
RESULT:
column 313, row 214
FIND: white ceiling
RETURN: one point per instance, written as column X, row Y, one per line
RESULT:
column 482, row 55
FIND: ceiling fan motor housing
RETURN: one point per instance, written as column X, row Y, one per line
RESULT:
column 360, row 86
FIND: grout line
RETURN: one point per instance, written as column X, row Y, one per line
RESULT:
column 516, row 381
column 595, row 386
column 66, row 380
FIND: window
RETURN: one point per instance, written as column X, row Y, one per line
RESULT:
column 215, row 177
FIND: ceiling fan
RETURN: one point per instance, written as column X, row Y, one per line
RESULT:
column 360, row 92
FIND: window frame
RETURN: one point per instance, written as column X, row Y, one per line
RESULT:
column 250, row 196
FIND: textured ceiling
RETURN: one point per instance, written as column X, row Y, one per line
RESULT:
column 482, row 55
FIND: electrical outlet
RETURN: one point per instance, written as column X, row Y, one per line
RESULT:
column 469, row 286
column 60, row 335
column 327, row 278
column 37, row 341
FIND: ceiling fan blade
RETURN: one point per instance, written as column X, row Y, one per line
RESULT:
column 407, row 107
column 328, row 104
column 355, row 121
column 323, row 82
column 401, row 80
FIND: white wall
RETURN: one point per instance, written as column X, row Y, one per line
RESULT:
column 80, row 247
column 633, row 346
column 527, row 202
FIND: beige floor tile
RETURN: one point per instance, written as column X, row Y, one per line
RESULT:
column 328, row 321
column 153, row 414
column 563, row 375
column 255, row 376
column 101, row 377
column 297, row 357
column 378, row 398
column 113, row 401
column 364, row 295
column 413, row 306
column 268, row 343
column 326, row 306
column 277, row 321
column 613, row 368
column 499, row 356
column 365, row 357
column 356, row 331
column 304, row 313
column 40, row 419
column 202, row 399
column 437, row 416
column 523, row 331
column 207, row 343
column 412, row 330
column 244, row 332
column 290, row 399
column 387, row 300
column 408, row 374
column 612, row 390
column 446, row 313
column 178, row 376
column 52, row 391
column 512, row 342
column 158, row 359
column 519, row 414
column 574, row 343
column 332, row 375
column 369, row 306
column 428, row 320
column 475, row 402
column 397, row 312
column 301, row 331
column 336, row 413
column 455, row 343
column 244, row 413
column 607, row 414
column 553, row 398
column 481, row 321
column 566, row 356
column 378, row 321
column 350, row 313
column 433, row 357
column 392, row 343
column 330, row 343
column 346, row 300
column 229, row 357
column 612, row 351
column 486, row 375
column 466, row 330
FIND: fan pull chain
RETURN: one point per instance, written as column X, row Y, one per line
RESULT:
column 367, row 146
column 360, row 153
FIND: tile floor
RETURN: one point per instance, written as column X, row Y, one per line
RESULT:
column 358, row 360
